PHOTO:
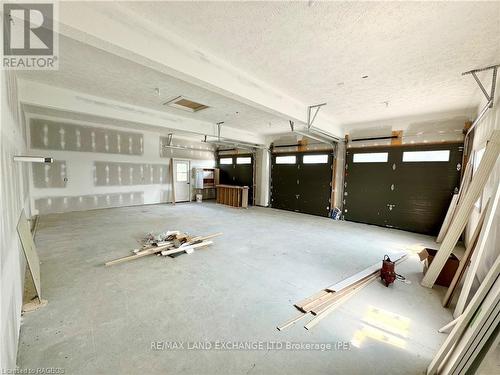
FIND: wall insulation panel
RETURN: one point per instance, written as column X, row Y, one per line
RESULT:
column 64, row 136
column 115, row 173
column 50, row 205
column 51, row 175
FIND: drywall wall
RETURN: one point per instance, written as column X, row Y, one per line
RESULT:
column 104, row 165
column 14, row 198
column 490, row 122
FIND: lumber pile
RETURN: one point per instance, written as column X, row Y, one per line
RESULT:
column 322, row 303
column 235, row 196
column 474, row 331
column 166, row 244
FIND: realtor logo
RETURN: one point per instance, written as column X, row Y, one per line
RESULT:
column 29, row 37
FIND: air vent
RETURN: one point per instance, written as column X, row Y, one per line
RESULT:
column 181, row 102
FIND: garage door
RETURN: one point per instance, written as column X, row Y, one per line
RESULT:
column 237, row 170
column 302, row 182
column 405, row 187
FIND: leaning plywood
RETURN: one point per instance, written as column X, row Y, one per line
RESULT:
column 464, row 208
column 477, row 332
column 447, row 219
column 464, row 262
column 465, row 318
column 478, row 254
column 23, row 229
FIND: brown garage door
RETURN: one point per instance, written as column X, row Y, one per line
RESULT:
column 301, row 182
column 404, row 187
column 237, row 170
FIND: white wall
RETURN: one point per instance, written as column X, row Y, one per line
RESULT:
column 427, row 128
column 262, row 171
column 483, row 130
column 80, row 168
column 14, row 198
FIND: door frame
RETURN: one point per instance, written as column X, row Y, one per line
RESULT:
column 174, row 197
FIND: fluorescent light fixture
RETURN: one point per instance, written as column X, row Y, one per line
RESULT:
column 33, row 159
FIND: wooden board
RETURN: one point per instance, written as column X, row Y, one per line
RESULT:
column 464, row 208
column 140, row 254
column 465, row 318
column 464, row 262
column 478, row 254
column 362, row 274
column 447, row 218
column 23, row 229
column 479, row 327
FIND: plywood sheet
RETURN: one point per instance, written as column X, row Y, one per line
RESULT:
column 29, row 248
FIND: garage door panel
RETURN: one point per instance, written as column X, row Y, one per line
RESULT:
column 302, row 187
column 236, row 173
column 366, row 185
column 284, row 181
column 315, row 186
column 409, row 195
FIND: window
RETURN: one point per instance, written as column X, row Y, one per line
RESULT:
column 286, row 159
column 226, row 161
column 181, row 172
column 372, row 157
column 244, row 160
column 426, row 156
column 315, row 159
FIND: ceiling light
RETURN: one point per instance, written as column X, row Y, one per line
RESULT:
column 181, row 102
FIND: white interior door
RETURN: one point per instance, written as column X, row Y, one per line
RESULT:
column 182, row 180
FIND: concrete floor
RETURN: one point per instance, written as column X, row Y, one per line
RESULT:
column 103, row 320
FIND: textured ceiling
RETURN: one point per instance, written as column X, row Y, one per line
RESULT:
column 93, row 71
column 412, row 52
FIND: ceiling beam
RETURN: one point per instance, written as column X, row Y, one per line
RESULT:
column 116, row 29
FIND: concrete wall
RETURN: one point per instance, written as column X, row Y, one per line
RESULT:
column 102, row 174
column 489, row 122
column 14, row 198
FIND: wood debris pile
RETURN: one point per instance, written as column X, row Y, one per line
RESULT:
column 167, row 243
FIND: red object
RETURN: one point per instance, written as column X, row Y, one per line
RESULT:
column 387, row 272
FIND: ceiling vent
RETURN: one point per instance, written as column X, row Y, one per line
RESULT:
column 181, row 102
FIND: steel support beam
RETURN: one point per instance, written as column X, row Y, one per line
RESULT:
column 490, row 97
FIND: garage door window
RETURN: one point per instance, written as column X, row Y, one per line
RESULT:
column 226, row 161
column 244, row 160
column 315, row 159
column 286, row 159
column 372, row 157
column 426, row 156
